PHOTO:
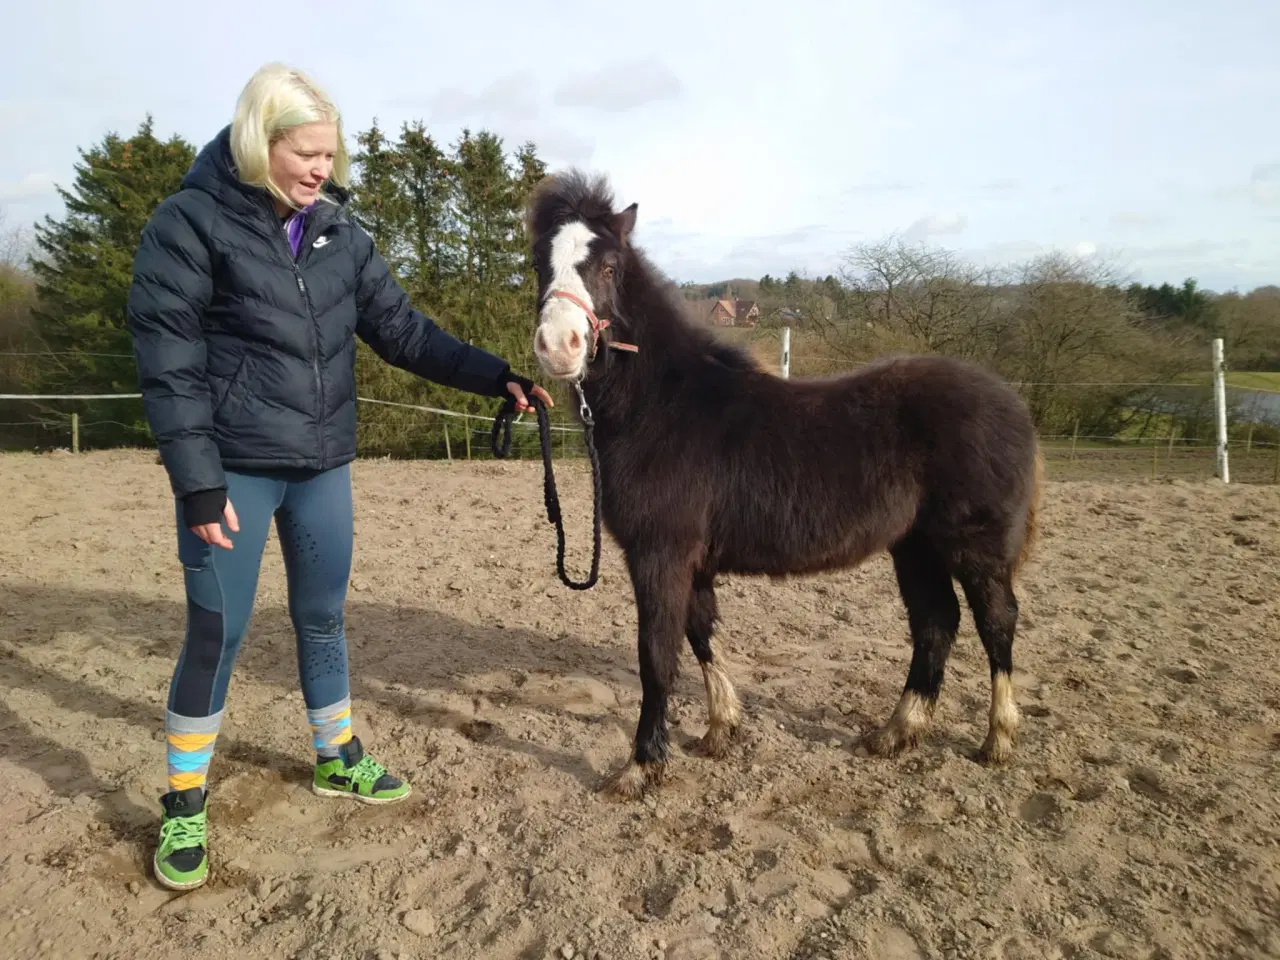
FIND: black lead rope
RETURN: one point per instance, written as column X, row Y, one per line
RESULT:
column 502, row 447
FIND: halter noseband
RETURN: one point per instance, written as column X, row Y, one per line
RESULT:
column 596, row 325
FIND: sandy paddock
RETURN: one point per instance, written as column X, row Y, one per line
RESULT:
column 1139, row 818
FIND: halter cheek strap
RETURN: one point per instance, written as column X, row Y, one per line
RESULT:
column 596, row 324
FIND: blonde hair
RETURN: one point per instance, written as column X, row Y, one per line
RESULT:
column 276, row 99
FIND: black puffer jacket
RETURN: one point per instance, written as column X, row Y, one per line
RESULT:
column 246, row 357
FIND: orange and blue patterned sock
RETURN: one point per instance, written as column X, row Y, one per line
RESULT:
column 330, row 727
column 189, row 741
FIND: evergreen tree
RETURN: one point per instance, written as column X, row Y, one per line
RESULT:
column 376, row 202
column 426, row 183
column 484, row 205
column 531, row 169
column 85, row 268
column 452, row 226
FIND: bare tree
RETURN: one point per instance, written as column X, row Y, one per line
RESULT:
column 1078, row 345
column 15, row 244
column 1250, row 326
column 17, row 298
column 921, row 298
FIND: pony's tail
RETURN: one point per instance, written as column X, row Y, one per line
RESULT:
column 1032, row 530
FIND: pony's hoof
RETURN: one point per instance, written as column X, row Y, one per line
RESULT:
column 996, row 751
column 889, row 741
column 716, row 743
column 632, row 781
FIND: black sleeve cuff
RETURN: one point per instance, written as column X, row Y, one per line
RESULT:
column 204, row 506
column 507, row 376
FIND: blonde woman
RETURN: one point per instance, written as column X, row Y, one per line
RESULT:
column 250, row 286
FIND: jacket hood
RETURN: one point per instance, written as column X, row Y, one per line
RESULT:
column 213, row 172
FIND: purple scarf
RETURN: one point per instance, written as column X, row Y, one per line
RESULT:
column 294, row 226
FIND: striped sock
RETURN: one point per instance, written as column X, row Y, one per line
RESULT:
column 190, row 748
column 330, row 727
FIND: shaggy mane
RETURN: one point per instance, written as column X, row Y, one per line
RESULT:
column 562, row 197
column 574, row 195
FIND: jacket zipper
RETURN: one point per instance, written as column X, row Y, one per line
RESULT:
column 315, row 326
column 315, row 362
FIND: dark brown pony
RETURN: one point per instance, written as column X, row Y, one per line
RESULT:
column 711, row 465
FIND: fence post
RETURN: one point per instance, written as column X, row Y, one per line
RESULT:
column 785, row 362
column 1220, row 401
column 75, row 433
column 1075, row 435
column 448, row 451
column 466, row 422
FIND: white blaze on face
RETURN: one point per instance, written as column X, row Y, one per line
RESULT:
column 564, row 332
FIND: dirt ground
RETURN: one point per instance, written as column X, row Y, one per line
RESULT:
column 1139, row 818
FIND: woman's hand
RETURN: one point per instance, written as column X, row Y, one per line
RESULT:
column 212, row 532
column 522, row 403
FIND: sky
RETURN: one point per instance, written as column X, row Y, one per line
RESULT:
column 756, row 137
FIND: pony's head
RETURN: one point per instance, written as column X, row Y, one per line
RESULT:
column 580, row 250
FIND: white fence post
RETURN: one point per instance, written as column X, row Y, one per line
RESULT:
column 1220, row 401
column 785, row 363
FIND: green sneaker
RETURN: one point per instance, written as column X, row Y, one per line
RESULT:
column 356, row 776
column 181, row 860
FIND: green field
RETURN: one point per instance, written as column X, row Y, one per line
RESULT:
column 1258, row 380
column 1264, row 380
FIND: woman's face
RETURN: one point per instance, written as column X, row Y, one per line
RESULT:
column 302, row 160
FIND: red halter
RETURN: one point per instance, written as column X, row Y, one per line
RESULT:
column 596, row 324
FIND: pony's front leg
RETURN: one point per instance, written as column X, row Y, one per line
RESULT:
column 662, row 580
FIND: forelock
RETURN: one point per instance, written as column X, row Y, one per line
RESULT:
column 565, row 197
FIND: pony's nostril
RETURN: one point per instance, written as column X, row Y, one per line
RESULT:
column 575, row 340
column 540, row 341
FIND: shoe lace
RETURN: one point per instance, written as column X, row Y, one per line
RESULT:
column 368, row 770
column 183, row 832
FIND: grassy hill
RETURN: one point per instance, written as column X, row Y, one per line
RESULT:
column 1256, row 380
column 722, row 289
column 1264, row 380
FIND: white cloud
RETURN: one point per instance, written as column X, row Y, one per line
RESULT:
column 32, row 186
column 510, row 95
column 619, row 87
column 1086, row 249
column 1264, row 186
column 509, row 106
column 939, row 224
column 1138, row 219
column 884, row 186
column 741, row 131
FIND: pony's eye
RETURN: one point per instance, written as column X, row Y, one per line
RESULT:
column 608, row 271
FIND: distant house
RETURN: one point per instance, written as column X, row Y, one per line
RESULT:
column 733, row 313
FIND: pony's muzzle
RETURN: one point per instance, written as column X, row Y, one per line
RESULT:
column 560, row 343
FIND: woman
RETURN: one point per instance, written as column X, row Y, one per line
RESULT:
column 249, row 287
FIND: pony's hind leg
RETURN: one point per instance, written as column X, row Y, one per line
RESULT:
column 990, row 596
column 723, row 709
column 662, row 581
column 933, row 613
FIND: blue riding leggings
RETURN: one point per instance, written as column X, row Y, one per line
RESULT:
column 313, row 516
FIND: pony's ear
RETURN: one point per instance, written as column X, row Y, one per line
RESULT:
column 624, row 223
